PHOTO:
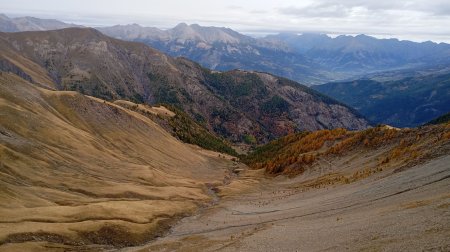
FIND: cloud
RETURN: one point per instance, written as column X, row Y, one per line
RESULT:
column 317, row 10
column 258, row 12
column 412, row 19
column 234, row 7
column 370, row 5
column 342, row 9
column 439, row 8
column 345, row 8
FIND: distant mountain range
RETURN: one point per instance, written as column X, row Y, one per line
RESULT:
column 242, row 106
column 393, row 78
column 364, row 54
column 307, row 58
column 399, row 98
column 223, row 49
column 31, row 24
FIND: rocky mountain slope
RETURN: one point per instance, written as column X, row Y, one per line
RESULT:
column 239, row 105
column 405, row 102
column 222, row 49
column 308, row 58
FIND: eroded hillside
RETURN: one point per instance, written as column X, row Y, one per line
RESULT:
column 237, row 105
column 382, row 189
column 76, row 170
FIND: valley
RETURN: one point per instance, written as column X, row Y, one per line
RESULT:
column 81, row 173
column 200, row 138
column 352, row 200
column 402, row 211
column 400, row 99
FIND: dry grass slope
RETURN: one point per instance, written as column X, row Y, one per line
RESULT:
column 76, row 170
column 385, row 147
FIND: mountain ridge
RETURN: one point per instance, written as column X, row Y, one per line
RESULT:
column 362, row 53
column 223, row 49
column 234, row 104
column 28, row 23
column 309, row 58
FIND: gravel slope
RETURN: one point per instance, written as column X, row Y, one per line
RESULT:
column 403, row 211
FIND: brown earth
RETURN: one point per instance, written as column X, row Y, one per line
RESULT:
column 76, row 171
column 79, row 173
column 391, row 210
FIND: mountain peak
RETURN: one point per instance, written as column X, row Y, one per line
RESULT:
column 134, row 25
column 181, row 26
column 3, row 16
column 196, row 32
column 364, row 37
column 31, row 24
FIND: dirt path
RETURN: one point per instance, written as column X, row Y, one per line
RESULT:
column 408, row 210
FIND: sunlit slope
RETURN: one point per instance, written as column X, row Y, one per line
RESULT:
column 351, row 155
column 78, row 170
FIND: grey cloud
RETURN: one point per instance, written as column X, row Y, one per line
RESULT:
column 317, row 10
column 411, row 19
column 339, row 9
column 234, row 7
column 439, row 8
column 335, row 8
column 258, row 12
column 370, row 5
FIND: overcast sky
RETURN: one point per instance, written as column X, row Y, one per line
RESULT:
column 417, row 20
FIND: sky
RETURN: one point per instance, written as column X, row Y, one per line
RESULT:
column 417, row 20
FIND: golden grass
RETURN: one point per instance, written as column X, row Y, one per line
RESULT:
column 78, row 170
column 157, row 110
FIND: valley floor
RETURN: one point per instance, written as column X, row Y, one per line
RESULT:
column 390, row 211
column 81, row 174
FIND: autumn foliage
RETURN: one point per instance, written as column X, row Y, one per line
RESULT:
column 295, row 153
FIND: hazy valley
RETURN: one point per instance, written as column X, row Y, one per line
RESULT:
column 401, row 99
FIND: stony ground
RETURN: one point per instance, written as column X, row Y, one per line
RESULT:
column 392, row 211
